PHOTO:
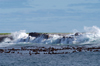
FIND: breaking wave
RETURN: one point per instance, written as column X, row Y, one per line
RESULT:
column 91, row 35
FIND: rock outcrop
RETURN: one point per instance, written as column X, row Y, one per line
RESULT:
column 34, row 34
column 45, row 36
column 2, row 37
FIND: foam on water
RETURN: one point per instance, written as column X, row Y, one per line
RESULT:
column 19, row 35
column 90, row 36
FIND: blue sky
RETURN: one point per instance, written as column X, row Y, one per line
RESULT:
column 48, row 15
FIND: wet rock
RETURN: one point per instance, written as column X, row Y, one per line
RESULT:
column 10, row 37
column 68, row 47
column 44, row 50
column 79, row 49
column 77, row 34
column 40, row 50
column 45, row 36
column 64, row 37
column 37, row 53
column 34, row 34
column 1, row 50
column 17, row 52
column 12, row 52
column 70, row 37
column 74, row 51
column 66, row 52
column 95, row 50
column 30, row 53
column 98, row 48
column 7, row 52
column 74, row 48
column 2, row 37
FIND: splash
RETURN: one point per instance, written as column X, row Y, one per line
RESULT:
column 17, row 36
column 90, row 36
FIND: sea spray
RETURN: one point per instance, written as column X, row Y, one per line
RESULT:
column 18, row 36
column 90, row 36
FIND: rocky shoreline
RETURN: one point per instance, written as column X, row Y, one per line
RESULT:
column 2, row 37
column 33, row 34
column 46, row 50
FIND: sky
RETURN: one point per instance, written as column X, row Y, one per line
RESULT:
column 48, row 15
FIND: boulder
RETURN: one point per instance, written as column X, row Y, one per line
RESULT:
column 34, row 34
column 45, row 36
column 2, row 37
column 77, row 34
column 1, row 50
column 64, row 37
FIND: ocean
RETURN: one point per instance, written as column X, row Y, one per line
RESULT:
column 36, row 49
column 72, row 59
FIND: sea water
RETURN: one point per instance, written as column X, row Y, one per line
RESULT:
column 91, row 37
column 72, row 59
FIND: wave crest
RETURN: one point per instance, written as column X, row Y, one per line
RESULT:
column 90, row 36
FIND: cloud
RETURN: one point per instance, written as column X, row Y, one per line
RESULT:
column 86, row 5
column 83, row 6
column 55, row 4
column 53, row 10
column 15, row 10
column 44, row 6
column 11, row 4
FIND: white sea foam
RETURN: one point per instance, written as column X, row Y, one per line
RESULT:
column 18, row 36
column 90, row 36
